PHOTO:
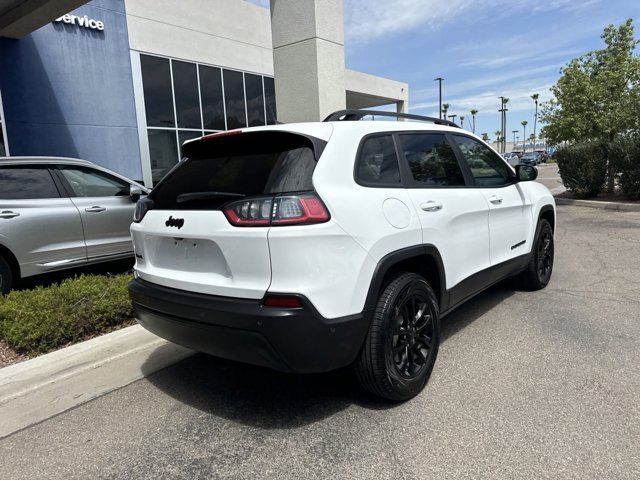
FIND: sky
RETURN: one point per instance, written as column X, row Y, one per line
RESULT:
column 483, row 49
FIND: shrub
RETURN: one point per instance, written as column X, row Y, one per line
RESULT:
column 46, row 318
column 627, row 152
column 583, row 167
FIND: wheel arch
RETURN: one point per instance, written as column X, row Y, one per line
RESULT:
column 548, row 213
column 422, row 259
column 11, row 260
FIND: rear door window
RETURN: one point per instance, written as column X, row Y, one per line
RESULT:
column 378, row 163
column 431, row 160
column 22, row 183
column 218, row 170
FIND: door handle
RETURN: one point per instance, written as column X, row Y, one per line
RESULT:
column 496, row 200
column 431, row 206
column 8, row 214
column 95, row 209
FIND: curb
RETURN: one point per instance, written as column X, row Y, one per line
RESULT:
column 627, row 207
column 38, row 389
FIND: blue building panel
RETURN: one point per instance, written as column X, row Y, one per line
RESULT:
column 67, row 90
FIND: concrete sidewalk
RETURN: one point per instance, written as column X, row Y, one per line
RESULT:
column 40, row 388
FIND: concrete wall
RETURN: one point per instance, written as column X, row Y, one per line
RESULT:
column 229, row 33
column 364, row 91
column 67, row 91
column 308, row 54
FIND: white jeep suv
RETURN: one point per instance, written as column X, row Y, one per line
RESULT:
column 313, row 246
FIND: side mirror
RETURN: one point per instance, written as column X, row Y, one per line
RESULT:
column 526, row 173
column 135, row 193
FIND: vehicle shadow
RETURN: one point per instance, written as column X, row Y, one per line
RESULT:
column 266, row 399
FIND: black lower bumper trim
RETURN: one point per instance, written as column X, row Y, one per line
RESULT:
column 290, row 340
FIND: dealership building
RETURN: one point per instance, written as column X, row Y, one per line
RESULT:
column 123, row 83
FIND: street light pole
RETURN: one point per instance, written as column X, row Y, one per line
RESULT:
column 502, row 126
column 453, row 117
column 514, row 139
column 439, row 80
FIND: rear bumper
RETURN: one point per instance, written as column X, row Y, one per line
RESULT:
column 290, row 340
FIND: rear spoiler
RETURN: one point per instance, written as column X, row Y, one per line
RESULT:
column 261, row 141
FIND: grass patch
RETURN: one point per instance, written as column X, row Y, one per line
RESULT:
column 47, row 318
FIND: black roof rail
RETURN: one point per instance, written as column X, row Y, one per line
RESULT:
column 354, row 115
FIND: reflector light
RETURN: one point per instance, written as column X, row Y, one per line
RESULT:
column 282, row 301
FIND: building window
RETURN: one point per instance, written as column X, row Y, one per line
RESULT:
column 270, row 100
column 4, row 149
column 185, row 100
column 185, row 86
column 212, row 98
column 255, row 100
column 158, row 99
column 234, row 99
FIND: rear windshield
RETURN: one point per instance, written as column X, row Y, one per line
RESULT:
column 226, row 168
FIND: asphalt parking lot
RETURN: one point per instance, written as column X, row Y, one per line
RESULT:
column 527, row 385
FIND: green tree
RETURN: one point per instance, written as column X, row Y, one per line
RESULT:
column 445, row 109
column 598, row 94
column 535, row 97
column 473, row 113
column 462, row 117
column 485, row 137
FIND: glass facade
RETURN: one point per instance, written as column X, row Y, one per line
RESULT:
column 3, row 141
column 185, row 100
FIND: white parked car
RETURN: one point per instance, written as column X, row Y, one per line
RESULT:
column 309, row 247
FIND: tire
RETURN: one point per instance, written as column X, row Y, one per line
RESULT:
column 6, row 277
column 538, row 272
column 398, row 354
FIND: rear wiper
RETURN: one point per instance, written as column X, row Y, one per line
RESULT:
column 188, row 197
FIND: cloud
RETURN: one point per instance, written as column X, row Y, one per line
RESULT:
column 488, row 100
column 368, row 20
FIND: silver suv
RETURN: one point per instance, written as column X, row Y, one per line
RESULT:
column 58, row 213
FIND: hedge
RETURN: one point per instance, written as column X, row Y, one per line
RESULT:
column 583, row 166
column 626, row 150
column 46, row 318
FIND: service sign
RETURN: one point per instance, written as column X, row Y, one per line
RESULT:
column 81, row 21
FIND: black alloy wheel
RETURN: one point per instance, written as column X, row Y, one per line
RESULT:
column 401, row 346
column 538, row 272
column 412, row 338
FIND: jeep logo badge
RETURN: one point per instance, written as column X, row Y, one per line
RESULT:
column 174, row 222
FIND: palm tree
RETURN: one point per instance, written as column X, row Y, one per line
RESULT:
column 498, row 134
column 535, row 98
column 461, row 121
column 445, row 108
column 524, row 135
column 485, row 137
column 473, row 113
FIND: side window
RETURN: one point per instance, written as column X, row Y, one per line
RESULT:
column 378, row 162
column 431, row 159
column 87, row 182
column 487, row 168
column 22, row 183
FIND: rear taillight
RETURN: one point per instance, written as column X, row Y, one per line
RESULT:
column 250, row 213
column 142, row 207
column 300, row 209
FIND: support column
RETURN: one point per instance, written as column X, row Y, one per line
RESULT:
column 308, row 58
